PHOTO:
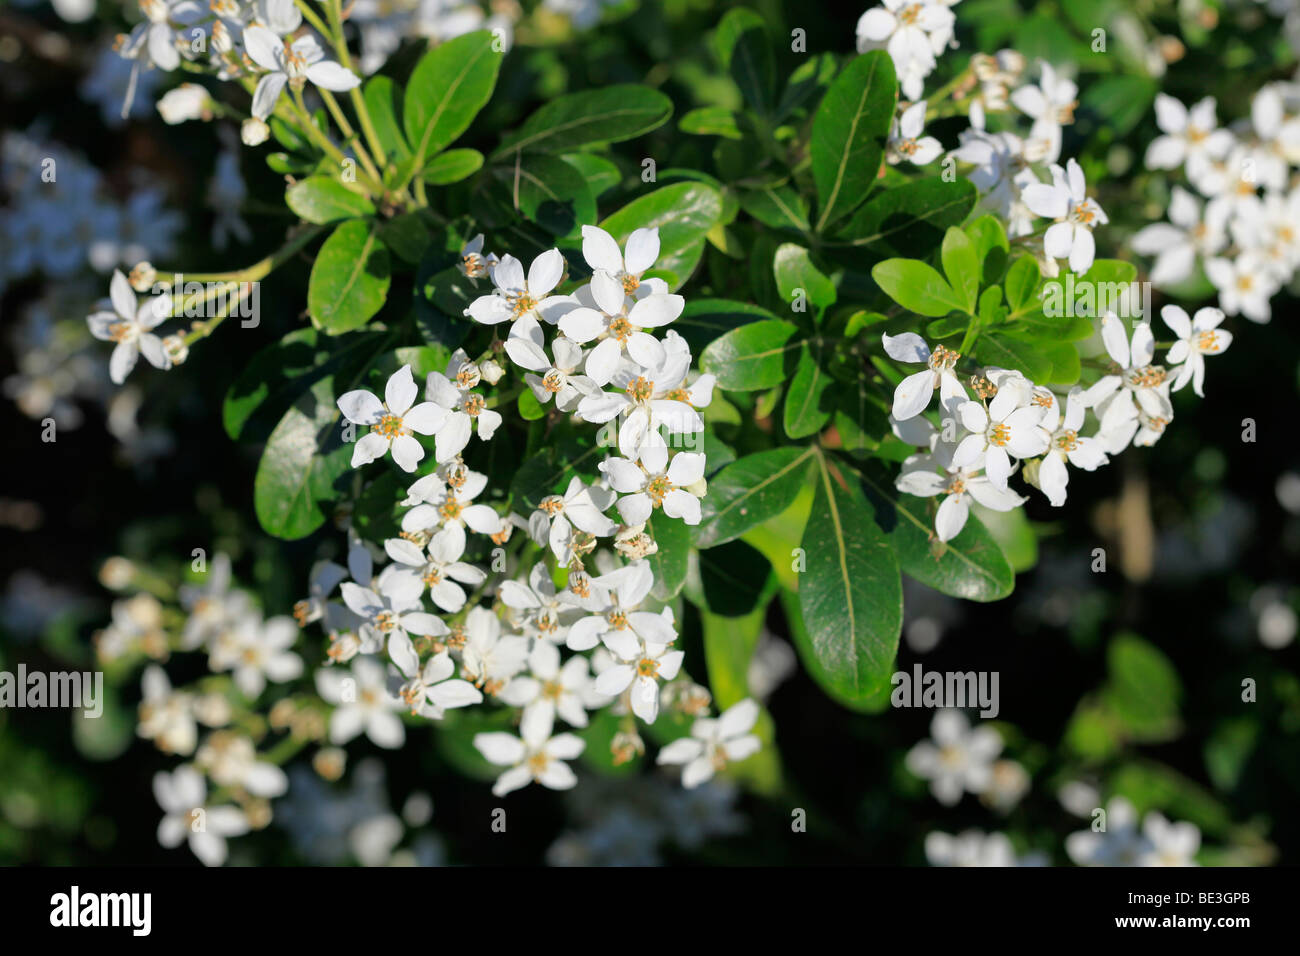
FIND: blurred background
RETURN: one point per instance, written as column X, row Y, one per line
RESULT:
column 1126, row 683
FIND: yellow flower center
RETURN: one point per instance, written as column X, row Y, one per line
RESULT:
column 620, row 329
column 630, row 283
column 385, row 621
column 640, row 389
column 473, row 405
column 647, row 667
column 657, row 488
column 999, row 434
column 1068, row 440
column 390, row 426
column 1208, row 341
column 1149, row 376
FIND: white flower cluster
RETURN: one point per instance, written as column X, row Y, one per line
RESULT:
column 594, row 353
column 223, row 623
column 982, row 442
column 1243, row 232
column 960, row 759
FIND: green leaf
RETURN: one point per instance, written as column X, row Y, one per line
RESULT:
column 303, row 458
column 1143, row 690
column 962, row 267
column 808, row 402
column 606, row 115
column 448, row 87
column 745, row 51
column 991, row 247
column 795, row 272
column 601, row 174
column 909, row 220
column 850, row 594
column 1021, row 284
column 970, row 566
column 383, row 102
column 848, row 134
column 683, row 212
column 407, row 235
column 704, row 320
column 733, row 577
column 777, row 206
column 452, row 166
column 752, row 357
column 810, row 77
column 349, row 279
column 551, row 193
column 671, row 561
column 917, row 287
column 710, row 121
column 1006, row 352
column 278, row 374
column 750, row 491
column 323, row 199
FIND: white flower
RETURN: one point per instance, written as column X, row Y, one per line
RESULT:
column 601, row 314
column 956, row 759
column 454, row 391
column 906, row 142
column 433, row 689
column 958, row 485
column 473, row 264
column 1050, row 105
column 651, row 398
column 539, row 610
column 325, row 576
column 1197, row 338
column 131, row 326
column 448, row 503
column 581, row 506
column 1137, row 384
column 1066, row 201
column 1177, row 244
column 655, row 482
column 490, row 658
column 549, row 689
column 1170, row 844
column 714, row 743
column 230, row 759
column 1245, row 285
column 294, row 63
column 1066, row 445
column 189, row 101
column 254, row 132
column 617, row 619
column 392, row 421
column 166, row 716
column 561, row 378
column 438, row 570
column 393, row 610
column 969, row 848
column 912, row 395
column 601, row 251
column 1118, row 844
column 533, row 756
column 182, row 795
column 362, row 704
column 265, row 654
column 515, row 297
column 1001, row 172
column 638, row 668
column 913, row 31
column 1007, row 428
column 1192, row 137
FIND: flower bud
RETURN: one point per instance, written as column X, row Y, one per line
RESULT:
column 254, row 132
column 189, row 101
column 143, row 276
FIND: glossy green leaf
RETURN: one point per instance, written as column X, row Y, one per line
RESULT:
column 777, row 206
column 609, row 114
column 550, row 192
column 970, row 566
column 1004, row 351
column 704, row 320
column 684, row 213
column 670, row 562
column 961, row 265
column 848, row 134
column 755, row 356
column 745, row 51
column 750, row 491
column 323, row 199
column 452, row 166
column 808, row 400
column 850, row 593
column 448, row 87
column 909, row 220
column 917, row 287
column 795, row 274
column 349, row 279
